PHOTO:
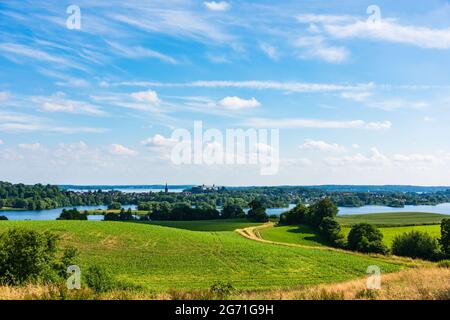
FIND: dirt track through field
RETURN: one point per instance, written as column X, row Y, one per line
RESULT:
column 253, row 233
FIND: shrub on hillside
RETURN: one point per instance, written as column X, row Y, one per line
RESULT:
column 99, row 279
column 416, row 244
column 444, row 264
column 31, row 256
column 445, row 236
column 366, row 238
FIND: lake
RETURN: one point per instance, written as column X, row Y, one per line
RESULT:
column 52, row 214
column 443, row 208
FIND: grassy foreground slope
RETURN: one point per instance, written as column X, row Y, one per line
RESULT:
column 160, row 258
column 392, row 219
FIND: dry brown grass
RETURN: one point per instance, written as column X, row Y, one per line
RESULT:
column 411, row 284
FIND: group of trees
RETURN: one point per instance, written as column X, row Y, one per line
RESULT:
column 320, row 215
column 39, row 197
column 416, row 244
column 367, row 238
column 72, row 214
column 28, row 256
column 184, row 212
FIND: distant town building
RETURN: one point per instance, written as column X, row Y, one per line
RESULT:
column 206, row 188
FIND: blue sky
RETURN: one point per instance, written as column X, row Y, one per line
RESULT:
column 356, row 100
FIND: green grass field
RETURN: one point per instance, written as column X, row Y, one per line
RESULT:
column 303, row 234
column 207, row 225
column 393, row 219
column 160, row 258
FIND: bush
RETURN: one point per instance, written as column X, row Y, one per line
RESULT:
column 366, row 238
column 3, row 218
column 444, row 264
column 445, row 236
column 99, row 279
column 416, row 244
column 28, row 256
column 221, row 289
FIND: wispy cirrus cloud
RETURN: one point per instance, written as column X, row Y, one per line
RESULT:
column 386, row 29
column 293, row 123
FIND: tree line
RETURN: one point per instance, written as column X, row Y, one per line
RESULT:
column 367, row 238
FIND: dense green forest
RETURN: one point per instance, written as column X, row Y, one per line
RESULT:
column 38, row 197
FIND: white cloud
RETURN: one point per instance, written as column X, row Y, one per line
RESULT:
column 13, row 51
column 374, row 159
column 356, row 96
column 256, row 84
column 316, row 123
column 4, row 95
column 59, row 103
column 120, row 150
column 217, row 58
column 31, row 146
column 1, row 142
column 149, row 96
column 397, row 103
column 316, row 47
column 270, row 51
column 322, row 146
column 415, row 158
column 159, row 141
column 389, row 30
column 217, row 6
column 136, row 52
column 20, row 122
column 236, row 103
column 308, row 18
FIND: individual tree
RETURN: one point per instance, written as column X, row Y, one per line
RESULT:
column 364, row 237
column 322, row 209
column 257, row 212
column 445, row 236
